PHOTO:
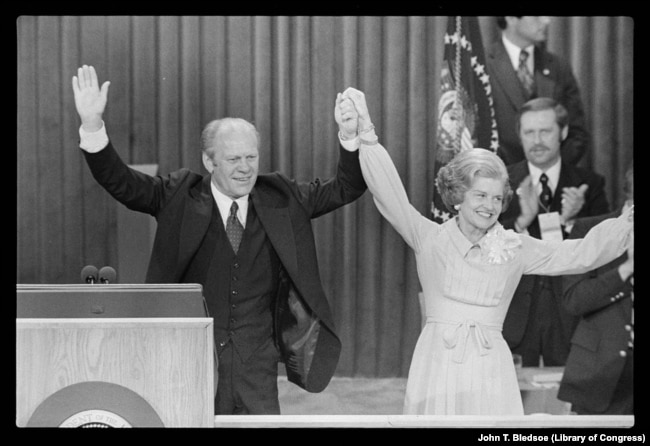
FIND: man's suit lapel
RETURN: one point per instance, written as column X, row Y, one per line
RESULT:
column 517, row 173
column 194, row 224
column 276, row 221
column 272, row 214
column 506, row 76
column 544, row 74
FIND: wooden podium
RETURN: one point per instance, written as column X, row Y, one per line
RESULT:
column 114, row 356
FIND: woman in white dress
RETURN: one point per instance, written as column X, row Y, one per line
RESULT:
column 469, row 268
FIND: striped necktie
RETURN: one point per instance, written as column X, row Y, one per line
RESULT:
column 546, row 196
column 525, row 75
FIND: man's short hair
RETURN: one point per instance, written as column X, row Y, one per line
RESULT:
column 213, row 128
column 502, row 23
column 544, row 103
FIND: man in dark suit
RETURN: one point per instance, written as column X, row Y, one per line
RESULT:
column 551, row 194
column 541, row 74
column 598, row 377
column 246, row 238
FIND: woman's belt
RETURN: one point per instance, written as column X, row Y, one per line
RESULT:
column 457, row 335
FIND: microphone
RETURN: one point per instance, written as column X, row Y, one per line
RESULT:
column 89, row 274
column 107, row 275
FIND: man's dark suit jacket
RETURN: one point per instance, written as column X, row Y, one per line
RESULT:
column 596, row 203
column 602, row 299
column 182, row 204
column 553, row 79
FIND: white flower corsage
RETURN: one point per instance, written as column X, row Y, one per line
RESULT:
column 500, row 245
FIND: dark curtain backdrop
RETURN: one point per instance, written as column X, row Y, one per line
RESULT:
column 171, row 75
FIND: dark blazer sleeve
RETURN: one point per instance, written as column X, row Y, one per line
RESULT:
column 597, row 289
column 598, row 345
column 319, row 197
column 304, row 326
column 136, row 190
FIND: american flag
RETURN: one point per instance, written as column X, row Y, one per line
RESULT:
column 465, row 110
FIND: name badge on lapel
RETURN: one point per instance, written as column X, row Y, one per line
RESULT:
column 550, row 226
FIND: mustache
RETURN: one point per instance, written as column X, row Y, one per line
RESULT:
column 539, row 146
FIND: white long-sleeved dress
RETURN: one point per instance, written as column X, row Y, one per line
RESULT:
column 461, row 364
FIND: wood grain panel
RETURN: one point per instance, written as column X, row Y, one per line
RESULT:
column 168, row 362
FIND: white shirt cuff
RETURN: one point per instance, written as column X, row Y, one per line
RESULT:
column 351, row 145
column 93, row 142
column 369, row 137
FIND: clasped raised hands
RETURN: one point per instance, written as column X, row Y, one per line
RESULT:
column 346, row 117
column 89, row 98
column 351, row 113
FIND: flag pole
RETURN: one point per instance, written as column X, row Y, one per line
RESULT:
column 458, row 107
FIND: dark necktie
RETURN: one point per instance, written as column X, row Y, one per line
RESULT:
column 524, row 74
column 234, row 229
column 546, row 196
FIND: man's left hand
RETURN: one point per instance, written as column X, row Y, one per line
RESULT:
column 573, row 198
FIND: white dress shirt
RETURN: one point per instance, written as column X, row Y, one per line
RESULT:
column 93, row 142
column 513, row 52
column 224, row 203
column 553, row 174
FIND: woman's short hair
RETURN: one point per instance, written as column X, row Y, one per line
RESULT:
column 456, row 177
